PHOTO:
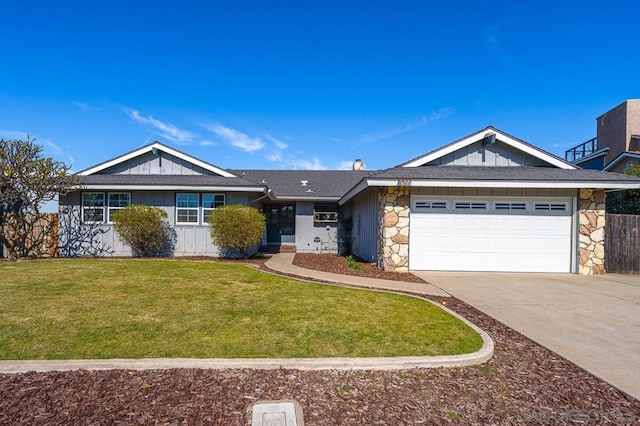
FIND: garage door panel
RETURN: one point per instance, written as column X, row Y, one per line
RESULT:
column 493, row 241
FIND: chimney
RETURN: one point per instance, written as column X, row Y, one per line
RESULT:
column 358, row 165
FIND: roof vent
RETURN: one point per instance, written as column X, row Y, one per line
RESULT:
column 309, row 190
column 304, row 182
column 358, row 164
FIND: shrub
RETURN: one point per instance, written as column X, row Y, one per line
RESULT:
column 236, row 227
column 145, row 229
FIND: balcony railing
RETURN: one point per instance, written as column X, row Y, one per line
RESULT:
column 582, row 150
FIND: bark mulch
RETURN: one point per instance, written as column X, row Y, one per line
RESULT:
column 523, row 383
column 339, row 265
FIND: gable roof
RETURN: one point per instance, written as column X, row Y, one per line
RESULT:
column 327, row 185
column 150, row 148
column 619, row 158
column 500, row 135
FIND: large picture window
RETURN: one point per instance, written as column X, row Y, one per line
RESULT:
column 93, row 207
column 117, row 202
column 209, row 203
column 187, row 207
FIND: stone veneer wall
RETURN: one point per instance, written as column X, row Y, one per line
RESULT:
column 393, row 241
column 591, row 229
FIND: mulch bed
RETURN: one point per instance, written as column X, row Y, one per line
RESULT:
column 523, row 383
column 339, row 265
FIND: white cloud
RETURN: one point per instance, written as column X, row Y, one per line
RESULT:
column 411, row 125
column 13, row 134
column 166, row 130
column 236, row 138
column 53, row 147
column 313, row 164
column 85, row 106
column 207, row 143
column 345, row 165
column 278, row 143
column 274, row 156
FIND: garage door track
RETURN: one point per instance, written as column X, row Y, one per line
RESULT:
column 593, row 321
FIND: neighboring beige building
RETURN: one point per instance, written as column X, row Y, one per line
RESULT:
column 617, row 143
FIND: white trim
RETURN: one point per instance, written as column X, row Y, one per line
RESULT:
column 619, row 158
column 506, row 184
column 361, row 186
column 184, row 188
column 108, row 207
column 149, row 148
column 535, row 152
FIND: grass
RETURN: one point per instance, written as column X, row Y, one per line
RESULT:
column 99, row 308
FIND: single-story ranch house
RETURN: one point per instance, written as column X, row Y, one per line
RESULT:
column 486, row 202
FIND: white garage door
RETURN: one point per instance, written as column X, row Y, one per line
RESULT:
column 506, row 235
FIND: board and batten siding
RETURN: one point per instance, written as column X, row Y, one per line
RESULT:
column 160, row 164
column 365, row 225
column 192, row 240
column 495, row 154
column 307, row 231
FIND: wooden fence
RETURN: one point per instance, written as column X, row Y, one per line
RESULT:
column 44, row 235
column 622, row 244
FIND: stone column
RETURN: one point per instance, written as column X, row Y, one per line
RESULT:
column 393, row 229
column 591, row 228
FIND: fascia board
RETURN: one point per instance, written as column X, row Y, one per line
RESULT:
column 525, row 184
column 506, row 184
column 149, row 148
column 189, row 188
column 361, row 186
column 620, row 158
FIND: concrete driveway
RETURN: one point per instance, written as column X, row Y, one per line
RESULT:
column 592, row 321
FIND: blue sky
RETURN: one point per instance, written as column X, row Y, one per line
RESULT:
column 296, row 84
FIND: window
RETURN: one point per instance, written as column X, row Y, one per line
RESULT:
column 466, row 205
column 210, row 202
column 187, row 207
column 117, row 201
column 554, row 207
column 430, row 205
column 93, row 207
column 325, row 213
column 510, row 205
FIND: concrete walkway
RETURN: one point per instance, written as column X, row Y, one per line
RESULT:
column 283, row 263
column 593, row 321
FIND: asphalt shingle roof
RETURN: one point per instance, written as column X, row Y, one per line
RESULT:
column 502, row 173
column 165, row 180
column 320, row 183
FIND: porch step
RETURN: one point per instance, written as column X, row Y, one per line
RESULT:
column 282, row 248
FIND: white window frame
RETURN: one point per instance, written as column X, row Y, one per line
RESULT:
column 552, row 207
column 112, row 209
column 510, row 204
column 216, row 204
column 422, row 205
column 92, row 207
column 474, row 206
column 188, row 208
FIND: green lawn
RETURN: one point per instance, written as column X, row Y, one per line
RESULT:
column 102, row 308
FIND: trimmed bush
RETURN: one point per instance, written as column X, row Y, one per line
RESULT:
column 145, row 229
column 236, row 227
